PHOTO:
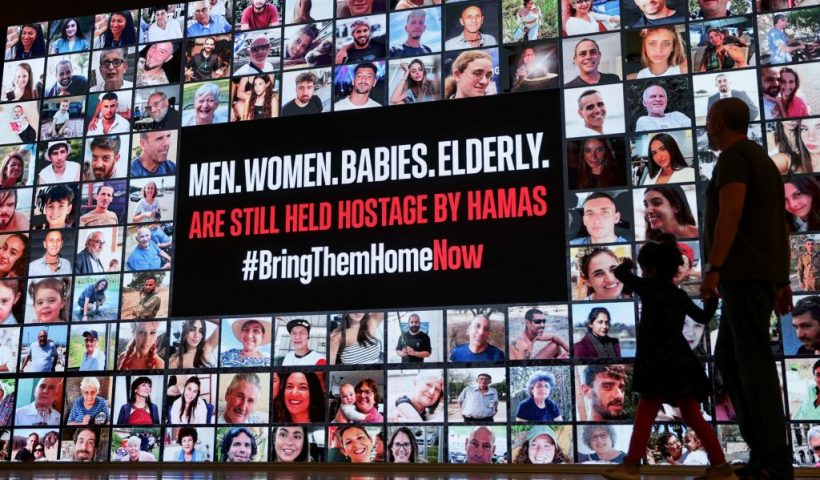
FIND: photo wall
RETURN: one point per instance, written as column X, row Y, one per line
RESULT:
column 187, row 275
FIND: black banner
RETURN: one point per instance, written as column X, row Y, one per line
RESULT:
column 447, row 203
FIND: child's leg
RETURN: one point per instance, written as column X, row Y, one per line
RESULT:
column 647, row 411
column 690, row 412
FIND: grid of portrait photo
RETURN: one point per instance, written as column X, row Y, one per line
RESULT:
column 94, row 366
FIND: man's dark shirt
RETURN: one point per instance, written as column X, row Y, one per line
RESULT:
column 172, row 119
column 78, row 86
column 314, row 105
column 643, row 22
column 605, row 78
column 203, row 68
column 406, row 51
column 419, row 342
column 373, row 51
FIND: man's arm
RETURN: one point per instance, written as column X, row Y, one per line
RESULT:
column 801, row 269
column 753, row 110
column 417, row 353
column 341, row 52
column 25, row 361
column 731, row 199
column 783, row 296
column 165, row 257
column 555, row 339
column 461, row 396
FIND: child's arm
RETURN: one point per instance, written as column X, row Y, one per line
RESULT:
column 701, row 315
column 624, row 273
column 351, row 413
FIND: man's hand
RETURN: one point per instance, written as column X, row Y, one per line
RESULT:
column 708, row 288
column 783, row 300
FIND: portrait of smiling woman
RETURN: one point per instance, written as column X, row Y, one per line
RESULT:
column 300, row 399
column 291, row 444
column 254, row 337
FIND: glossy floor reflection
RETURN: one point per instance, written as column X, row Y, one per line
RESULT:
column 322, row 472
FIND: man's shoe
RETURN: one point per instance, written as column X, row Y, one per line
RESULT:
column 623, row 471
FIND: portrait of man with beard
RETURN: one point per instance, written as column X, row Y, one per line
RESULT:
column 414, row 345
column 151, row 65
column 86, row 444
column 604, row 388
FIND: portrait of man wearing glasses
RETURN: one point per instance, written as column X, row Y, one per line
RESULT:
column 88, row 260
column 113, row 66
column 92, row 359
column 259, row 49
column 523, row 346
column 160, row 114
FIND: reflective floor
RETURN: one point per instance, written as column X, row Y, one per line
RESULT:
column 323, row 472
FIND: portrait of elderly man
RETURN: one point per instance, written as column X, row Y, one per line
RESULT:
column 146, row 254
column 88, row 260
column 241, row 398
column 112, row 67
column 657, row 118
column 205, row 21
column 43, row 355
column 41, row 411
column 478, row 403
column 158, row 109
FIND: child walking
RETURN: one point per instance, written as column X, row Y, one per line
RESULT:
column 661, row 350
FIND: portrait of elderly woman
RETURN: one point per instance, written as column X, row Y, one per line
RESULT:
column 600, row 439
column 89, row 408
column 207, row 105
column 415, row 396
column 538, row 407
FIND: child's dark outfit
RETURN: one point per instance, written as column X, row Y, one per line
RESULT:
column 666, row 369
